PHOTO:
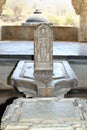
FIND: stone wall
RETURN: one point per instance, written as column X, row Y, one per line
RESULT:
column 61, row 33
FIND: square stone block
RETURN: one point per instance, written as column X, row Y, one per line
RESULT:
column 46, row 114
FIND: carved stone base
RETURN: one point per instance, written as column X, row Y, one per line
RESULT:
column 62, row 80
column 46, row 114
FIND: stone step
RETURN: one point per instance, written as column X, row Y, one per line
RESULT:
column 46, row 114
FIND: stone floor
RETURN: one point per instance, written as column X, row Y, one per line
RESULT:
column 16, row 50
column 24, row 49
column 46, row 114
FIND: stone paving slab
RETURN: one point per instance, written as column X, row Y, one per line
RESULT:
column 46, row 114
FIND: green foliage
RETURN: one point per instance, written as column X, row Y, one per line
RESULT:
column 55, row 19
column 71, row 19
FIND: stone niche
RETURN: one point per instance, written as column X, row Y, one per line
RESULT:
column 80, row 7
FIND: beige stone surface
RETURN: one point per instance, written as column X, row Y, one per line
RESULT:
column 77, row 5
column 81, row 9
column 2, row 2
column 26, row 33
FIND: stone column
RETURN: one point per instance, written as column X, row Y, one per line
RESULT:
column 2, row 2
column 80, row 7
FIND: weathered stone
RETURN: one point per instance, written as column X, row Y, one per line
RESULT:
column 46, row 114
column 81, row 9
column 43, row 51
column 26, row 33
column 77, row 5
column 2, row 2
column 8, row 92
column 62, row 81
column 43, row 77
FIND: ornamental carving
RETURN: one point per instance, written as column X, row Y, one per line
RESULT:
column 77, row 5
column 43, row 48
column 2, row 2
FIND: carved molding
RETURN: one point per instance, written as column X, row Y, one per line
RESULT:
column 2, row 2
column 77, row 5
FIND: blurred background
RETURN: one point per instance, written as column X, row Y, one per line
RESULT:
column 58, row 12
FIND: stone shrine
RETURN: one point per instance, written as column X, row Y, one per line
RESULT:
column 43, row 77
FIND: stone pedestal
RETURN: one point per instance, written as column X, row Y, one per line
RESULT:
column 62, row 80
column 46, row 114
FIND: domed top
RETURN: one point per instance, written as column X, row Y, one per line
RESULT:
column 37, row 16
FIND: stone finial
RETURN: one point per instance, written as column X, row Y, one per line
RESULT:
column 77, row 5
column 2, row 2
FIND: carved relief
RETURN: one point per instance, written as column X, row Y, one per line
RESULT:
column 77, row 5
column 2, row 2
column 80, row 7
column 43, row 48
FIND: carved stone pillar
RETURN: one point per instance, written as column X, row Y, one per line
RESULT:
column 2, row 2
column 80, row 7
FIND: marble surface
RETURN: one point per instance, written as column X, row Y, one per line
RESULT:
column 62, row 80
column 45, row 114
column 22, row 48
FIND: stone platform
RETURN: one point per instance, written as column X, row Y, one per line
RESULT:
column 25, row 50
column 46, row 114
column 62, row 81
